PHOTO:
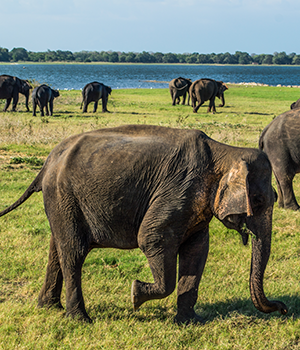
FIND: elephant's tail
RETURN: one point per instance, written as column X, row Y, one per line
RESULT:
column 35, row 186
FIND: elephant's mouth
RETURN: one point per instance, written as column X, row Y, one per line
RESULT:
column 238, row 223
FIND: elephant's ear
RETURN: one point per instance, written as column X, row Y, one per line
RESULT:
column 232, row 195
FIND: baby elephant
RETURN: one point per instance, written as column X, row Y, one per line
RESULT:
column 42, row 95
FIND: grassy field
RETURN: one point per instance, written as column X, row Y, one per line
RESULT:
column 224, row 298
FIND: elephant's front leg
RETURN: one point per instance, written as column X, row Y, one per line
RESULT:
column 211, row 107
column 192, row 259
column 162, row 258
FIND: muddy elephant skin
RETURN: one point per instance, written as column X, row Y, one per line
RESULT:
column 296, row 104
column 43, row 96
column 280, row 141
column 10, row 87
column 93, row 92
column 207, row 89
column 179, row 87
column 156, row 189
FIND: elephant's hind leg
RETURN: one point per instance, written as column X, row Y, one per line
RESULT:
column 51, row 290
column 286, row 195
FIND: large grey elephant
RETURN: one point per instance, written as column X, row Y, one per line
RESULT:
column 43, row 96
column 10, row 87
column 157, row 189
column 207, row 89
column 93, row 92
column 179, row 87
column 280, row 141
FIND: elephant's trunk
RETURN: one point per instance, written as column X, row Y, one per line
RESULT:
column 261, row 244
column 222, row 100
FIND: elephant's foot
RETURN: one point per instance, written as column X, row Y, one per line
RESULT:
column 137, row 298
column 292, row 206
column 79, row 315
column 48, row 303
column 188, row 318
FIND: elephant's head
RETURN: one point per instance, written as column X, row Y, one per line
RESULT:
column 244, row 201
column 55, row 93
column 220, row 94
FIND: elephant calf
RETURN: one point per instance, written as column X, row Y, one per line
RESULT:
column 179, row 87
column 157, row 189
column 93, row 92
column 42, row 96
column 207, row 89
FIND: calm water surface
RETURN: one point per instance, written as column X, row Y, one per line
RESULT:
column 73, row 76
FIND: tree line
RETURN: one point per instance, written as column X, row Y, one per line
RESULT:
column 21, row 54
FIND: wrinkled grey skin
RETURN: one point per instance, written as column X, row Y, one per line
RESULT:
column 280, row 140
column 156, row 189
column 296, row 104
column 93, row 92
column 179, row 87
column 207, row 89
column 43, row 96
column 10, row 87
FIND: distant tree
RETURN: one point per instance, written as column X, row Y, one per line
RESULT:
column 192, row 58
column 170, row 58
column 158, row 57
column 268, row 59
column 36, row 56
column 258, row 58
column 145, row 57
column 296, row 60
column 4, row 55
column 281, row 58
column 19, row 54
column 243, row 57
column 130, row 58
column 113, row 57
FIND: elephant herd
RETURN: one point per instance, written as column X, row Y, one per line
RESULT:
column 43, row 96
column 198, row 91
column 157, row 189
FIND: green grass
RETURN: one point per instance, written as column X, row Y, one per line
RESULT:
column 224, row 298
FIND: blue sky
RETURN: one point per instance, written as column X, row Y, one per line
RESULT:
column 179, row 26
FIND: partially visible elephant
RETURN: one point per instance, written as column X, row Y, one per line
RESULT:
column 296, row 104
column 179, row 87
column 157, row 189
column 43, row 96
column 94, row 92
column 10, row 87
column 207, row 89
column 281, row 142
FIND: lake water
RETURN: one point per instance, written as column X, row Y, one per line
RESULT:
column 76, row 76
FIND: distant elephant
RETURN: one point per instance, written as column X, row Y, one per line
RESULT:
column 10, row 87
column 94, row 92
column 281, row 142
column 207, row 89
column 296, row 104
column 157, row 189
column 179, row 87
column 42, row 96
